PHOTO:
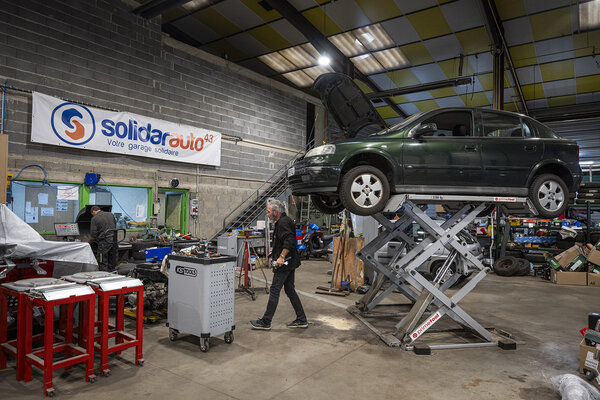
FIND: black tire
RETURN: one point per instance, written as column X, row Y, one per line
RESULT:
column 584, row 201
column 506, row 266
column 593, row 196
column 588, row 185
column 327, row 205
column 523, row 267
column 549, row 195
column 364, row 190
column 229, row 337
column 535, row 258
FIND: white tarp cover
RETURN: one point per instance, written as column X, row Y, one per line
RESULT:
column 19, row 240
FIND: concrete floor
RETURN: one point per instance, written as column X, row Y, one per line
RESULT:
column 337, row 356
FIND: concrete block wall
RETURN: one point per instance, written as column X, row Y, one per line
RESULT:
column 98, row 52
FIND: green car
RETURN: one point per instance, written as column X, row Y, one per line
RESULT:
column 463, row 150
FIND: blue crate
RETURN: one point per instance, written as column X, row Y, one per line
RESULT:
column 156, row 253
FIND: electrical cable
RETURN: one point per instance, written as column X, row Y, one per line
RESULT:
column 10, row 184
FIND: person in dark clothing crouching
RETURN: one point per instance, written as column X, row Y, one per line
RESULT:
column 102, row 230
column 286, row 261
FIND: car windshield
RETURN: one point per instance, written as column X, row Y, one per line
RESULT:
column 399, row 126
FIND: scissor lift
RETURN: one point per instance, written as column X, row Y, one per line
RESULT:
column 429, row 298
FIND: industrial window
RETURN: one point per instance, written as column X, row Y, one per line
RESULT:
column 41, row 205
column 129, row 204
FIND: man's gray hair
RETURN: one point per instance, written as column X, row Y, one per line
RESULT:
column 276, row 205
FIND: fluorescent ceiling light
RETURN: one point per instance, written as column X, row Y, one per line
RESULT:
column 373, row 37
column 299, row 78
column 367, row 64
column 315, row 72
column 348, row 44
column 194, row 4
column 298, row 56
column 277, row 62
column 589, row 15
column 391, row 58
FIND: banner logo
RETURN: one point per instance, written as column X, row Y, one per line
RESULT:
column 69, row 122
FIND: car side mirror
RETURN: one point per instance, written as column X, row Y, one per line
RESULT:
column 425, row 129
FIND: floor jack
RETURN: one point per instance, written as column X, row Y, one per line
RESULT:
column 430, row 302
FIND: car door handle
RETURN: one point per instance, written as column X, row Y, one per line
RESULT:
column 530, row 148
column 470, row 147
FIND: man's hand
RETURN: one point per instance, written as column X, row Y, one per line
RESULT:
column 279, row 261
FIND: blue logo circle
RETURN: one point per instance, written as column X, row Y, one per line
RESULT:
column 71, row 122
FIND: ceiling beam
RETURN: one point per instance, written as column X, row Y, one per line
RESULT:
column 339, row 62
column 496, row 32
column 156, row 7
column 420, row 88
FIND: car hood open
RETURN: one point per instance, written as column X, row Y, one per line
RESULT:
column 348, row 104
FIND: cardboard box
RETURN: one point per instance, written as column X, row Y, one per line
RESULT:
column 566, row 257
column 594, row 257
column 593, row 279
column 586, row 357
column 569, row 278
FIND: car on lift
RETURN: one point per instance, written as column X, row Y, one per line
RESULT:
column 458, row 151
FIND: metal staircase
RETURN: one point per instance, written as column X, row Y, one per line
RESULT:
column 254, row 204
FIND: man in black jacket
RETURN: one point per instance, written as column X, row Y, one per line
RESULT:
column 286, row 261
column 102, row 230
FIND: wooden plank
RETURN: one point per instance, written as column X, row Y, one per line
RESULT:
column 349, row 265
column 339, row 294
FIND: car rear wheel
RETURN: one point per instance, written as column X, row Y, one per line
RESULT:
column 549, row 195
column 364, row 190
column 327, row 205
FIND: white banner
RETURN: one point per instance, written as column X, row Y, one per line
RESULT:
column 61, row 123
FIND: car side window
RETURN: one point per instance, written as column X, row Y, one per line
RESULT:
column 528, row 129
column 543, row 131
column 499, row 125
column 452, row 123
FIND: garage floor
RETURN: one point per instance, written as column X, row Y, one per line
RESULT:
column 337, row 356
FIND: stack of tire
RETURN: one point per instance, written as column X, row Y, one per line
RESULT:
column 511, row 266
column 589, row 192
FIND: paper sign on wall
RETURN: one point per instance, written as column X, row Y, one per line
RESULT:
column 47, row 211
column 67, row 193
column 42, row 198
column 31, row 217
column 62, row 205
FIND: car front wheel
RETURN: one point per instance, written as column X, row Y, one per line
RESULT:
column 549, row 195
column 327, row 205
column 364, row 190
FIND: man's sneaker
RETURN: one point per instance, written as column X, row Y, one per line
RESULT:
column 297, row 324
column 260, row 324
